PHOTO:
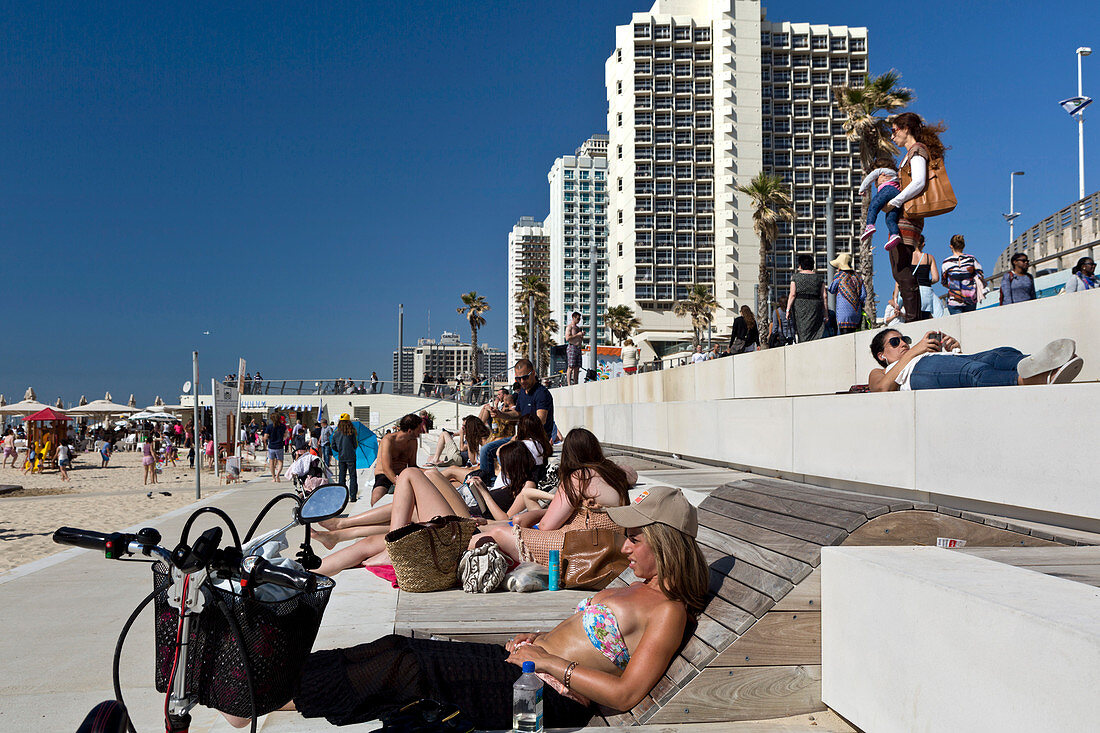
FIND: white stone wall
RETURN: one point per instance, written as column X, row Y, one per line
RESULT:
column 925, row 639
column 775, row 411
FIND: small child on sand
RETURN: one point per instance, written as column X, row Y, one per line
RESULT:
column 105, row 453
column 886, row 176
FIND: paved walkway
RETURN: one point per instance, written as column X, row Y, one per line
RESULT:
column 62, row 615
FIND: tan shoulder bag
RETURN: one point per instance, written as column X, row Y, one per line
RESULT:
column 938, row 196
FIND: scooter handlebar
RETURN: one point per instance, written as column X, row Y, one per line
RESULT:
column 85, row 538
column 264, row 572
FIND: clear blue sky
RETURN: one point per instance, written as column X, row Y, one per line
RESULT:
column 283, row 174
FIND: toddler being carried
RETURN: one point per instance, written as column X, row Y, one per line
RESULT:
column 886, row 176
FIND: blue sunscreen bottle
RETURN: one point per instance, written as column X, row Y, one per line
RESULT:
column 555, row 570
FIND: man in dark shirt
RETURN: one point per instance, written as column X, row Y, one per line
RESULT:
column 275, row 437
column 532, row 399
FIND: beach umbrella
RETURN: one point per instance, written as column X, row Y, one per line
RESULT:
column 25, row 407
column 367, row 450
column 103, row 407
column 143, row 415
column 161, row 417
column 46, row 415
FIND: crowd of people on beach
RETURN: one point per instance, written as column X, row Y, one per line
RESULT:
column 501, row 469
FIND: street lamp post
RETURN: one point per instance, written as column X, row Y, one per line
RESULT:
column 1081, row 52
column 1012, row 214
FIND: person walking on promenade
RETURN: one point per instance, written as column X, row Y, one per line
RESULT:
column 927, row 274
column 1018, row 286
column 922, row 144
column 574, row 337
column 9, row 447
column 64, row 458
column 374, row 382
column 781, row 328
column 345, row 442
column 745, row 336
column 963, row 278
column 1082, row 277
column 850, row 293
column 807, row 302
column 629, row 354
column 275, row 435
column 326, row 440
column 148, row 461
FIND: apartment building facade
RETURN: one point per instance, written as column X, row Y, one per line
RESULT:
column 577, row 224
column 702, row 96
column 528, row 256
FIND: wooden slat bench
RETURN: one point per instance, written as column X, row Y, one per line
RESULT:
column 755, row 652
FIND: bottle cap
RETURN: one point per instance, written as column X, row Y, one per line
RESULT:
column 528, row 667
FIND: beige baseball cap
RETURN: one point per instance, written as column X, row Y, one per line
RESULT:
column 660, row 504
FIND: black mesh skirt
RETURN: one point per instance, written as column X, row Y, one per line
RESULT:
column 362, row 683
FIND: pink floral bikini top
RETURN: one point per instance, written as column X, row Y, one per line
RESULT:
column 603, row 631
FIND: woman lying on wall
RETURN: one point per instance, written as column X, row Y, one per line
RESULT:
column 937, row 362
column 610, row 652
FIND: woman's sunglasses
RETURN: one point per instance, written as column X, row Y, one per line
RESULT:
column 895, row 341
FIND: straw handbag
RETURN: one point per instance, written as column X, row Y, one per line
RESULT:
column 938, row 196
column 425, row 555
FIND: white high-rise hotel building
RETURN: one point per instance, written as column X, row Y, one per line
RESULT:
column 528, row 256
column 577, row 222
column 702, row 96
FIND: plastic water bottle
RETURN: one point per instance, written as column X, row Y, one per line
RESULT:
column 555, row 570
column 527, row 702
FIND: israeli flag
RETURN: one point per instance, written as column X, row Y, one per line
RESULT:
column 1075, row 105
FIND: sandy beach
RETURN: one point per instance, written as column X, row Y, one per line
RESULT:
column 104, row 499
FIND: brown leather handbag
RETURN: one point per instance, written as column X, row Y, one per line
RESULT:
column 591, row 558
column 938, row 196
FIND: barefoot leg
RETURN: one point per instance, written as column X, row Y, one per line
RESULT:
column 458, row 506
column 350, row 557
column 414, row 492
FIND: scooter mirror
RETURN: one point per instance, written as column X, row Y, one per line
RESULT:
column 324, row 503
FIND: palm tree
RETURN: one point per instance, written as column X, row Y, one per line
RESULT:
column 865, row 126
column 473, row 305
column 699, row 306
column 533, row 286
column 621, row 322
column 771, row 204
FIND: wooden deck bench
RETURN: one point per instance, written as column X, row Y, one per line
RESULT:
column 755, row 652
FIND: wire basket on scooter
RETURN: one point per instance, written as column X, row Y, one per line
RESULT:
column 277, row 637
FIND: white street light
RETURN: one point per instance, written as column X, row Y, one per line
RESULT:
column 1012, row 214
column 1081, row 52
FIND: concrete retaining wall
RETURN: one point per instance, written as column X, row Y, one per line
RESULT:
column 924, row 639
column 1007, row 447
column 835, row 364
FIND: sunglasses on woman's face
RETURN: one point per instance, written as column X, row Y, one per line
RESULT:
column 895, row 341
